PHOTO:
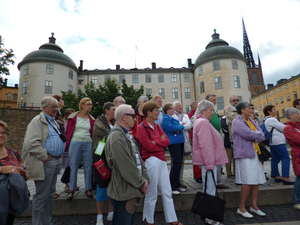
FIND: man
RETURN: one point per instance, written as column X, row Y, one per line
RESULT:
column 42, row 151
column 119, row 100
column 216, row 123
column 129, row 179
column 158, row 100
column 185, row 121
column 296, row 104
column 231, row 113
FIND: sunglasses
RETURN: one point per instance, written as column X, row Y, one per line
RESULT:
column 251, row 107
column 132, row 115
column 235, row 100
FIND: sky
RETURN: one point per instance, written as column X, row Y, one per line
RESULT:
column 128, row 33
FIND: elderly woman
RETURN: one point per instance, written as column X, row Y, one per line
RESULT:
column 139, row 116
column 292, row 134
column 277, row 146
column 103, row 125
column 208, row 149
column 12, row 164
column 249, row 172
column 153, row 141
column 79, row 134
column 174, row 130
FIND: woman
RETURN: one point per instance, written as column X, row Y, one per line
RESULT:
column 292, row 135
column 11, row 163
column 79, row 134
column 139, row 116
column 277, row 146
column 103, row 125
column 174, row 131
column 153, row 141
column 248, row 169
column 208, row 149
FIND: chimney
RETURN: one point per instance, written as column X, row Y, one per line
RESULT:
column 80, row 66
column 16, row 85
column 117, row 67
column 153, row 65
column 189, row 63
column 269, row 86
column 5, row 82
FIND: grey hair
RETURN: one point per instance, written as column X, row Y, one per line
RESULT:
column 121, row 110
column 175, row 103
column 204, row 105
column 193, row 103
column 291, row 111
column 48, row 100
column 142, row 98
column 231, row 97
column 241, row 105
column 117, row 98
column 208, row 97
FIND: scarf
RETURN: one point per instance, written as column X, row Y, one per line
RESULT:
column 252, row 127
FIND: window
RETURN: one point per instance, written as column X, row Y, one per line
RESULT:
column 94, row 79
column 259, row 107
column 281, row 99
column 80, row 80
column 288, row 98
column 265, row 104
column 15, row 96
column 258, row 98
column 174, row 93
column 269, row 94
column 254, row 79
column 234, row 65
column 254, row 100
column 121, row 78
column 255, row 108
column 261, row 117
column 237, row 83
column 107, row 77
column 275, row 101
column 149, row 91
column 161, row 78
column 49, row 69
column 71, row 74
column 70, row 89
column 240, row 98
column 216, row 65
column 220, row 103
column 280, row 89
column 135, row 79
column 186, row 77
column 24, row 91
column 274, row 92
column 295, row 94
column 286, row 86
column 270, row 102
column 9, row 97
column 161, row 92
column 187, row 92
column 202, row 89
column 174, row 78
column 26, row 70
column 264, row 96
column 218, row 82
column 148, row 78
column 188, row 108
column 293, row 84
column 283, row 112
column 200, row 69
column 277, row 114
column 48, row 87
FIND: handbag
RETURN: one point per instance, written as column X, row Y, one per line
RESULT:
column 65, row 178
column 187, row 146
column 102, row 170
column 208, row 206
column 265, row 153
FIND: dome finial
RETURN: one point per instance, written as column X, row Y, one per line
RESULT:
column 52, row 38
column 215, row 30
column 52, row 34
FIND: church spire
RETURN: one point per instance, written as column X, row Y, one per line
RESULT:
column 247, row 48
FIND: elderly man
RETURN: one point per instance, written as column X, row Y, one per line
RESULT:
column 158, row 100
column 129, row 179
column 119, row 100
column 185, row 121
column 42, row 151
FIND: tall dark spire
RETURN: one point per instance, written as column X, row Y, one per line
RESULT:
column 247, row 48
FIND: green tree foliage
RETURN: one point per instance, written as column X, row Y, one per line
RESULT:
column 6, row 58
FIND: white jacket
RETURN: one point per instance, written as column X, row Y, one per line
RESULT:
column 184, row 119
column 277, row 135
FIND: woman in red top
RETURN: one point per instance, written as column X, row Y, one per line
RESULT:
column 153, row 141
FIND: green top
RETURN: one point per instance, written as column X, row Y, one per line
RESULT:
column 215, row 122
column 82, row 130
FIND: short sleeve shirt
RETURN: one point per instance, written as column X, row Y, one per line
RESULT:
column 13, row 158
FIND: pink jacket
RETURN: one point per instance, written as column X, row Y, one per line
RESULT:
column 208, row 146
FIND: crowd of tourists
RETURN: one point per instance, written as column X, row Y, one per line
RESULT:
column 132, row 143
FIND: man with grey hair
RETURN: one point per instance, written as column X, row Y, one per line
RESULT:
column 129, row 179
column 119, row 100
column 42, row 150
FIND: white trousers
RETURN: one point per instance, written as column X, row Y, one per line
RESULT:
column 159, row 178
column 211, row 187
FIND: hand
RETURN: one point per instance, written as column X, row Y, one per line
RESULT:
column 48, row 159
column 145, row 188
column 153, row 142
column 209, row 170
column 183, row 123
column 162, row 137
column 177, row 132
column 11, row 169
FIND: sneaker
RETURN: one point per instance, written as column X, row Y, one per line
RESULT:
column 297, row 206
column 99, row 222
column 109, row 217
column 182, row 189
column 175, row 192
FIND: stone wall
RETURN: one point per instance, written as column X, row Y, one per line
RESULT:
column 17, row 120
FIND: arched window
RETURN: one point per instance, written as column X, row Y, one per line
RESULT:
column 15, row 96
column 254, row 79
column 9, row 97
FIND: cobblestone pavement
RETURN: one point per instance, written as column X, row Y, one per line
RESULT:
column 282, row 213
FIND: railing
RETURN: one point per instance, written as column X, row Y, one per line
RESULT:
column 20, row 105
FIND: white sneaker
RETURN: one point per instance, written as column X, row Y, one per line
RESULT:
column 99, row 222
column 175, row 192
column 297, row 206
column 109, row 217
column 182, row 189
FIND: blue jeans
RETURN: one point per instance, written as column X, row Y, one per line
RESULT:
column 121, row 216
column 279, row 152
column 76, row 151
column 296, row 196
column 176, row 152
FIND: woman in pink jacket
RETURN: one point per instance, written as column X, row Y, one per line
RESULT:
column 208, row 148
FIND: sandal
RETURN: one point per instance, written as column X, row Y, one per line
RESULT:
column 176, row 223
column 88, row 195
column 70, row 195
column 67, row 189
column 56, row 195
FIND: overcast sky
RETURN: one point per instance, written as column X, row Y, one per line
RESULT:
column 104, row 33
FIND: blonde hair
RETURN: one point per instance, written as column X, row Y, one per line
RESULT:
column 4, row 125
column 156, row 97
column 82, row 102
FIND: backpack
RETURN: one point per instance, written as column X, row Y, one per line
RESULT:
column 268, row 135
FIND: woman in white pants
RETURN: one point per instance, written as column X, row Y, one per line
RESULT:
column 153, row 141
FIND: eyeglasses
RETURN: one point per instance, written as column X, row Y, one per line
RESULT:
column 251, row 107
column 132, row 115
column 52, row 107
column 89, row 104
column 235, row 100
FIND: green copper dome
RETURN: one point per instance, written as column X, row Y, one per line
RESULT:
column 218, row 49
column 49, row 52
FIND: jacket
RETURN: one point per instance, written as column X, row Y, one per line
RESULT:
column 277, row 134
column 170, row 125
column 146, row 135
column 231, row 114
column 243, row 138
column 293, row 138
column 34, row 153
column 225, row 131
column 208, row 147
column 71, row 127
column 126, row 180
column 215, row 121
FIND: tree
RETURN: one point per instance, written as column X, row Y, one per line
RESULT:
column 6, row 58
